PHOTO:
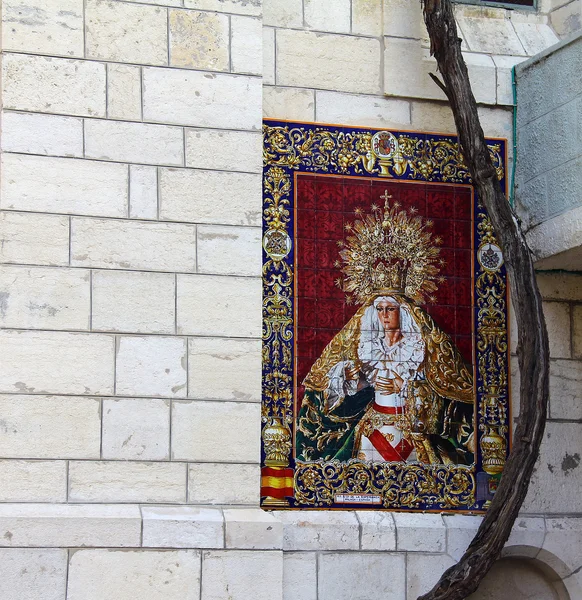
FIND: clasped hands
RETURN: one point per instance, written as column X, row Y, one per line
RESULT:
column 384, row 385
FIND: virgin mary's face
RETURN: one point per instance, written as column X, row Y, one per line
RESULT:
column 389, row 315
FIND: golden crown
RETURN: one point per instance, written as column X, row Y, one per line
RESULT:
column 390, row 251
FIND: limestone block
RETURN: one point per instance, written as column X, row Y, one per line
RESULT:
column 202, row 99
column 240, row 575
column 215, row 483
column 560, row 286
column 283, row 13
column 484, row 33
column 403, row 19
column 49, row 427
column 366, row 17
column 561, row 547
column 44, row 27
column 246, row 45
column 461, row 529
column 151, row 366
column 147, row 575
column 378, row 531
column 341, row 576
column 123, row 92
column 143, row 192
column 305, row 530
column 211, row 305
column 423, row 571
column 199, row 40
column 116, row 481
column 535, row 37
column 420, row 532
column 123, row 32
column 33, row 481
column 42, row 134
column 269, row 66
column 224, row 150
column 566, row 389
column 567, row 19
column 288, row 103
column 53, row 85
column 554, row 486
column 207, row 431
column 210, row 197
column 136, row 429
column 482, row 76
column 34, row 239
column 327, row 15
column 56, row 362
column 252, row 529
column 497, row 122
column 44, row 298
column 134, row 142
column 577, row 333
column 299, row 576
column 110, row 244
column 504, row 66
column 133, row 302
column 226, row 250
column 63, row 185
column 236, row 7
column 557, row 315
column 182, row 527
column 29, row 574
column 351, row 109
column 342, row 63
column 73, row 525
column 527, row 536
column 224, row 369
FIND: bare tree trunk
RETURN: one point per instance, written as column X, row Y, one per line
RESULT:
column 462, row 579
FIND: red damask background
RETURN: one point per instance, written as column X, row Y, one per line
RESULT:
column 324, row 205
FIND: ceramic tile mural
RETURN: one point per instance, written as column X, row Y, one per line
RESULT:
column 385, row 342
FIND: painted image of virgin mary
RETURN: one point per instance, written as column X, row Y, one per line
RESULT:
column 391, row 386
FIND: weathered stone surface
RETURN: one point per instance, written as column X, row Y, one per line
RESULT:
column 134, row 142
column 482, row 34
column 71, row 525
column 403, row 19
column 299, row 576
column 340, row 576
column 117, row 481
column 44, row 298
column 351, row 109
column 289, row 103
column 44, row 26
column 56, row 362
column 504, row 66
column 123, row 92
column 42, row 134
column 224, row 150
column 461, row 529
column 201, row 99
column 561, row 548
column 423, row 571
column 55, row 85
column 557, row 315
column 49, row 427
column 123, row 32
column 252, row 529
column 377, row 530
column 216, row 431
column 482, row 75
column 110, row 244
column 30, row 574
column 283, row 13
column 567, row 19
column 215, row 483
column 327, row 15
column 224, row 369
column 33, row 481
column 34, row 239
column 148, row 575
column 246, row 45
column 268, row 56
column 343, row 63
column 527, row 536
column 240, row 575
column 535, row 37
column 222, row 306
column 182, row 527
column 151, row 366
column 143, row 192
column 366, row 17
column 566, row 389
column 219, row 245
column 420, row 532
column 136, row 429
column 199, row 40
column 199, row 197
column 577, row 333
column 242, row 7
column 305, row 530
column 133, row 302
column 560, row 286
column 64, row 185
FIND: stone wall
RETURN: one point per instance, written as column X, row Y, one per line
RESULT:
column 130, row 295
